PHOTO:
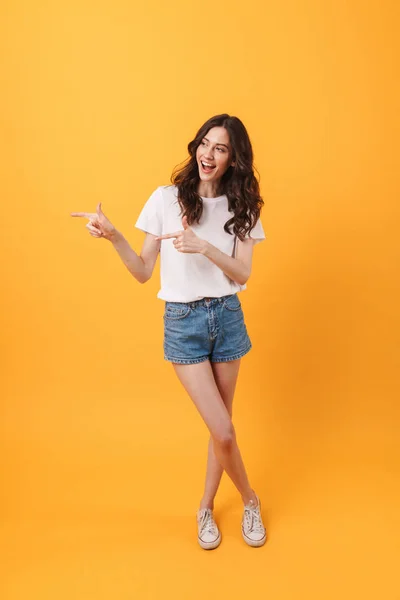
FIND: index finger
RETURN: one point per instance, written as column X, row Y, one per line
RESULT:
column 83, row 214
column 168, row 236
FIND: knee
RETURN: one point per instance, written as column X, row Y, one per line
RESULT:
column 225, row 436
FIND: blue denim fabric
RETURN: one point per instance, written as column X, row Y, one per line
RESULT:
column 208, row 329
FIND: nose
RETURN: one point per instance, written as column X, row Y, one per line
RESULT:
column 209, row 154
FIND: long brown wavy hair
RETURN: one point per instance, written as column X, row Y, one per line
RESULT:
column 239, row 182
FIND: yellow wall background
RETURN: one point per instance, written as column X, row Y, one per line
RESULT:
column 103, row 453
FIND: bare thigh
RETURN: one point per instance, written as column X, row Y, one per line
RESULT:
column 226, row 375
column 211, row 388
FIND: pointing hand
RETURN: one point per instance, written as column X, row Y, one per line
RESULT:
column 99, row 226
column 185, row 240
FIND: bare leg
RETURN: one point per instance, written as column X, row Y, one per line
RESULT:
column 225, row 375
column 199, row 382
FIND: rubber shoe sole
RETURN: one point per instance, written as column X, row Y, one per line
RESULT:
column 254, row 543
column 210, row 545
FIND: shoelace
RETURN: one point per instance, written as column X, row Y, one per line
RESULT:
column 207, row 523
column 252, row 519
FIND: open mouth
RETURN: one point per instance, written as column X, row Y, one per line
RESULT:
column 207, row 167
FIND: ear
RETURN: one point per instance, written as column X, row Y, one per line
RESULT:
column 233, row 163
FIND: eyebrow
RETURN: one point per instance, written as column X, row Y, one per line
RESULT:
column 217, row 144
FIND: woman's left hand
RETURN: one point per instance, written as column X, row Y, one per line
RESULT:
column 185, row 240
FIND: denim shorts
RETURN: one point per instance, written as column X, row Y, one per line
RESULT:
column 207, row 329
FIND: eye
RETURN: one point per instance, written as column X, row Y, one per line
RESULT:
column 202, row 143
column 221, row 149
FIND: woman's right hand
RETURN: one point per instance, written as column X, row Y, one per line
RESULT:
column 99, row 226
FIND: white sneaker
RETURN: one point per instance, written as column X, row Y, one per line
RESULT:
column 253, row 530
column 208, row 534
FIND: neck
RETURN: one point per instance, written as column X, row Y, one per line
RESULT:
column 208, row 189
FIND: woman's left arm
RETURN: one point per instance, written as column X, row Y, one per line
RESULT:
column 238, row 269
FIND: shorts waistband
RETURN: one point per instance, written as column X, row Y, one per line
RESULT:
column 207, row 301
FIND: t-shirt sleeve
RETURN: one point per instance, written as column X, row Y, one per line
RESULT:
column 257, row 234
column 150, row 219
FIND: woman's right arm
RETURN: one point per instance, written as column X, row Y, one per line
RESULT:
column 141, row 267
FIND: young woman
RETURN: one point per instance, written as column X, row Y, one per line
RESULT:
column 204, row 226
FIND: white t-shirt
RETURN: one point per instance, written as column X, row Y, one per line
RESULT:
column 187, row 277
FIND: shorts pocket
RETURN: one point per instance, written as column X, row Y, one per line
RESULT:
column 176, row 310
column 232, row 302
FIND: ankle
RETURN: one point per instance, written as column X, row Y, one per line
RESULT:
column 250, row 499
column 206, row 504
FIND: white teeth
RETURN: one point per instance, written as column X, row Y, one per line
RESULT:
column 206, row 164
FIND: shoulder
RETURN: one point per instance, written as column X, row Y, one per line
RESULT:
column 165, row 193
column 169, row 191
column 168, row 196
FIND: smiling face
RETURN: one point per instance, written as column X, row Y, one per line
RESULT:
column 214, row 156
